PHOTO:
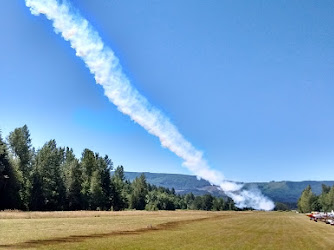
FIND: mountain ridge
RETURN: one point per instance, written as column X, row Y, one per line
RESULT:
column 279, row 191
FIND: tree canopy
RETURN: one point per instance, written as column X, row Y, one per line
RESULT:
column 52, row 178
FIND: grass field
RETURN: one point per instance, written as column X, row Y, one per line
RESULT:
column 162, row 230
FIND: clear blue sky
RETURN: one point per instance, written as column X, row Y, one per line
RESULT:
column 250, row 83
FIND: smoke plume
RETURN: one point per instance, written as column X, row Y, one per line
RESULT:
column 104, row 65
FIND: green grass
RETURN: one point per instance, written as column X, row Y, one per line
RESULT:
column 164, row 230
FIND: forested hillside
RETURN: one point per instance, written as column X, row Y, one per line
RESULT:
column 181, row 183
column 279, row 191
column 288, row 191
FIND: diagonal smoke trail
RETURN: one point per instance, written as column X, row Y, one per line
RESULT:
column 104, row 65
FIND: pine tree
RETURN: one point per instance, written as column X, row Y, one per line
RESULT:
column 20, row 144
column 207, row 202
column 9, row 184
column 48, row 191
column 119, row 190
column 105, row 165
column 72, row 175
column 139, row 192
column 88, row 167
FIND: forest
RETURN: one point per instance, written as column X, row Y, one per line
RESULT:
column 52, row 178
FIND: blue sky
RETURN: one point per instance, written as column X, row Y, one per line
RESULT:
column 250, row 83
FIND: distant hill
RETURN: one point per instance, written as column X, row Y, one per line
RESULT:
column 287, row 191
column 280, row 191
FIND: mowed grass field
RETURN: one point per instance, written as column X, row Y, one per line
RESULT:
column 162, row 230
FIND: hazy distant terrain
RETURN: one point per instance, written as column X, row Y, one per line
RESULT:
column 280, row 191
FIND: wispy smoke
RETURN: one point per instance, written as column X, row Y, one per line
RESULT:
column 104, row 65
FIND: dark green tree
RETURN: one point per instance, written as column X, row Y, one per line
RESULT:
column 139, row 192
column 47, row 175
column 101, row 189
column 9, row 184
column 72, row 176
column 20, row 145
column 197, row 203
column 106, row 165
column 218, row 204
column 207, row 202
column 96, row 192
column 74, row 195
column 230, row 205
column 119, row 190
column 88, row 166
column 179, row 202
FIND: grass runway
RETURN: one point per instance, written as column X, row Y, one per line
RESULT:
column 162, row 230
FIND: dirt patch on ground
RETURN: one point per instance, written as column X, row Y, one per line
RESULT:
column 78, row 238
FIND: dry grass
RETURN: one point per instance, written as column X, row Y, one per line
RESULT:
column 169, row 230
column 19, row 227
column 16, row 214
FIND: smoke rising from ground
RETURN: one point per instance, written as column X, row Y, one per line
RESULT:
column 104, row 65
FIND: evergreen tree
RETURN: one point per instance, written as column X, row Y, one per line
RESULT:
column 89, row 166
column 106, row 165
column 47, row 174
column 330, row 199
column 74, row 195
column 306, row 200
column 315, row 205
column 9, row 184
column 139, row 192
column 189, row 198
column 197, row 203
column 230, row 205
column 207, row 202
column 100, row 190
column 218, row 204
column 119, row 189
column 37, row 197
column 179, row 202
column 324, row 198
column 72, row 176
column 20, row 144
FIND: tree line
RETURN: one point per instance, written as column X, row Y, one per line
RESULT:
column 52, row 178
column 309, row 201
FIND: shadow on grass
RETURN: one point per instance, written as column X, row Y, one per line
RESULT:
column 80, row 238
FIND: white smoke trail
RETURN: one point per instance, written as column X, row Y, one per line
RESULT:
column 104, row 65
